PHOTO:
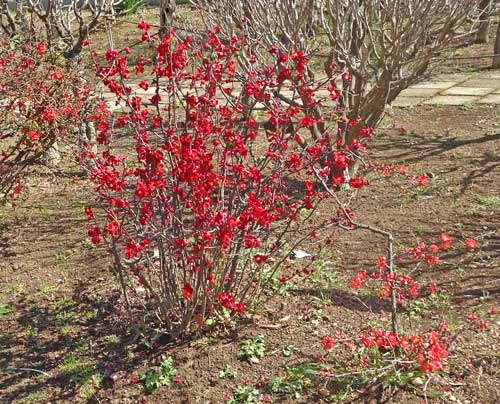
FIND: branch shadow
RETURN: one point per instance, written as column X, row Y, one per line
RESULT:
column 53, row 349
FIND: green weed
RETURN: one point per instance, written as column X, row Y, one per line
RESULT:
column 252, row 349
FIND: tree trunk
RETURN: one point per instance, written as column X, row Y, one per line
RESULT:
column 168, row 10
column 52, row 157
column 496, row 58
column 482, row 32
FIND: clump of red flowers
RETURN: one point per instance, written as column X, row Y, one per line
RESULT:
column 42, row 104
column 194, row 211
column 427, row 351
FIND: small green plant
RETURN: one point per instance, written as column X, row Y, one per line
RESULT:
column 130, row 7
column 64, row 322
column 90, row 387
column 296, row 381
column 31, row 331
column 285, row 386
column 46, row 290
column 64, row 301
column 288, row 350
column 4, row 309
column 441, row 300
column 466, row 105
column 244, row 395
column 111, row 339
column 159, row 375
column 227, row 372
column 252, row 349
column 272, row 285
column 417, row 307
column 77, row 369
column 493, row 201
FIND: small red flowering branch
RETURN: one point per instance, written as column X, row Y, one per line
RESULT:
column 41, row 104
column 353, row 225
column 201, row 207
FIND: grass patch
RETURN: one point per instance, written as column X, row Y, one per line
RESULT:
column 491, row 201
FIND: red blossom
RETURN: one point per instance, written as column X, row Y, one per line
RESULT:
column 187, row 291
column 328, row 343
column 259, row 259
column 445, row 241
column 470, row 244
column 472, row 317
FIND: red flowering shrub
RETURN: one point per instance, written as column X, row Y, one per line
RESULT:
column 385, row 282
column 199, row 207
column 40, row 103
column 426, row 352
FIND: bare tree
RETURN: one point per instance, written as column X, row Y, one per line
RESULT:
column 62, row 23
column 383, row 46
column 484, row 23
column 168, row 10
column 496, row 58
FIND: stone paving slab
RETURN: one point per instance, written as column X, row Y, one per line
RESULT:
column 419, row 92
column 482, row 83
column 490, row 99
column 474, row 91
column 452, row 77
column 407, row 101
column 493, row 75
column 451, row 100
column 436, row 84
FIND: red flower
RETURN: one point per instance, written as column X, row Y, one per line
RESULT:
column 94, row 234
column 34, row 135
column 298, row 138
column 433, row 288
column 41, row 48
column 112, row 228
column 143, row 25
column 259, row 259
column 306, row 121
column 187, row 291
column 88, row 211
column 472, row 317
column 251, row 241
column 328, row 343
column 423, row 180
column 470, row 244
column 357, row 182
column 227, row 300
column 483, row 324
column 142, row 190
column 445, row 241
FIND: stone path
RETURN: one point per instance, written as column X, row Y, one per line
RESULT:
column 453, row 89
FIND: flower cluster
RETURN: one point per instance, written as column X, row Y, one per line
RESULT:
column 42, row 103
column 427, row 351
column 385, row 282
